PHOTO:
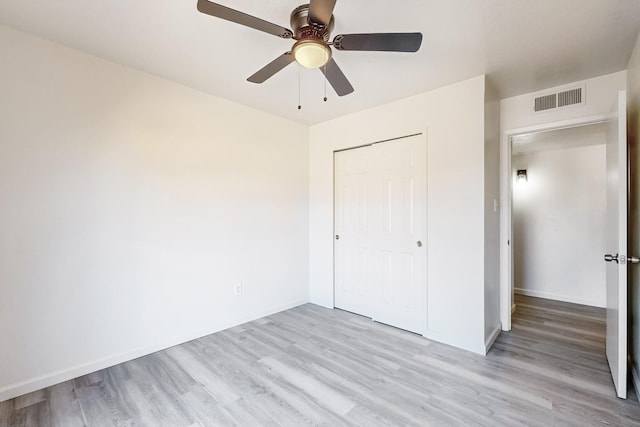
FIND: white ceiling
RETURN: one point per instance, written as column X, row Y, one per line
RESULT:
column 523, row 45
column 560, row 139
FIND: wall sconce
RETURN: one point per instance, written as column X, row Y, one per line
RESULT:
column 521, row 176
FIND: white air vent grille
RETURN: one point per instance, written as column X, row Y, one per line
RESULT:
column 561, row 99
column 570, row 97
column 546, row 102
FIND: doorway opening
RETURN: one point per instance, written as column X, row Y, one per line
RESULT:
column 507, row 184
column 559, row 198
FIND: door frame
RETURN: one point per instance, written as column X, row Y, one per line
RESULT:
column 507, row 305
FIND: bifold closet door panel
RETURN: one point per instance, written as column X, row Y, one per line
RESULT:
column 380, row 224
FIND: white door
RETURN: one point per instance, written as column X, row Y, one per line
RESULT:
column 616, row 241
column 352, row 244
column 380, row 223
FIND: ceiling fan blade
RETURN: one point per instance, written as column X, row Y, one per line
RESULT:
column 388, row 42
column 228, row 14
column 271, row 68
column 320, row 11
column 336, row 77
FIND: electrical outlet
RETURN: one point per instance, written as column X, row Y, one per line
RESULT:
column 237, row 289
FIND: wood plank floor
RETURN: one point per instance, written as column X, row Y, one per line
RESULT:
column 313, row 366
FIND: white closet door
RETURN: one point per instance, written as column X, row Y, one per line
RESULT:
column 351, row 251
column 381, row 257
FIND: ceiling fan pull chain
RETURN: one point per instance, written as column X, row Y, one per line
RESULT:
column 325, row 82
column 299, row 103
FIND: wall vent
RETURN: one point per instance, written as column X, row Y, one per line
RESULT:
column 570, row 97
column 560, row 99
column 545, row 102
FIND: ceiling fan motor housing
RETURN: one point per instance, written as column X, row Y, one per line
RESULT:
column 304, row 28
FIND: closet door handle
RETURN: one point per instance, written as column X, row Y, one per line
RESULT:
column 419, row 243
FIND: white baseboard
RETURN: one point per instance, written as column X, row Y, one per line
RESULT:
column 492, row 338
column 635, row 379
column 558, row 297
column 33, row 384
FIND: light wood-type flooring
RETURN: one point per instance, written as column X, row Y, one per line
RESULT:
column 314, row 366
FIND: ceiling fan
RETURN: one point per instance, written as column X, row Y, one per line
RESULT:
column 312, row 25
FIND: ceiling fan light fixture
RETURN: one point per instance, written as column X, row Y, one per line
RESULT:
column 311, row 53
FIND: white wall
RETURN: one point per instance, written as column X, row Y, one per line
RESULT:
column 130, row 207
column 492, row 324
column 453, row 118
column 559, row 219
column 633, row 127
column 600, row 94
